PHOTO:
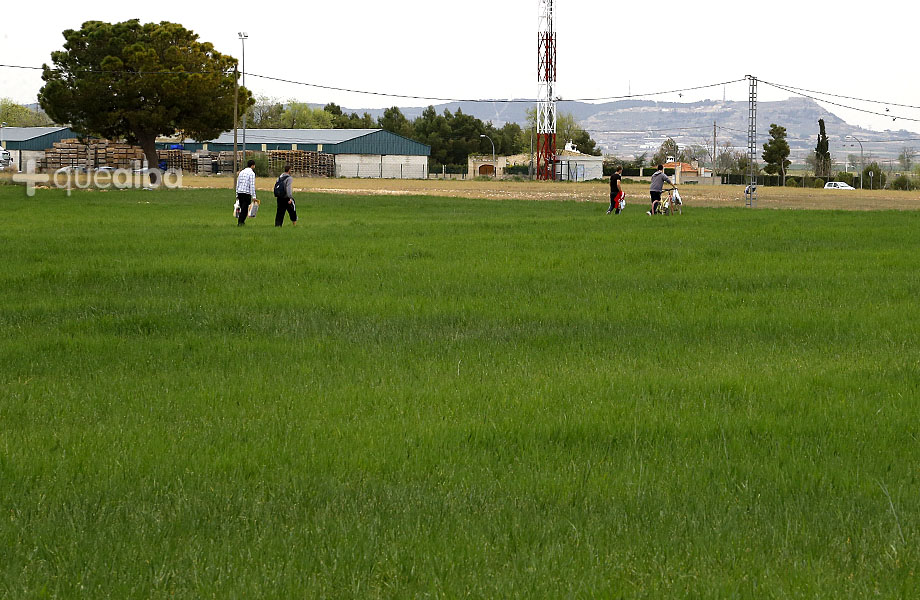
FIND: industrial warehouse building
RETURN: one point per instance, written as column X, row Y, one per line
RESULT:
column 372, row 153
column 30, row 143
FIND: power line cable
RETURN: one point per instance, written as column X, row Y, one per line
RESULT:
column 791, row 87
column 472, row 100
column 628, row 96
column 388, row 95
column 862, row 110
column 393, row 95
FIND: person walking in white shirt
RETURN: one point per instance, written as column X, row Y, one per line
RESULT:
column 245, row 191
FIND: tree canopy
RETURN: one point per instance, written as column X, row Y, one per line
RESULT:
column 873, row 176
column 453, row 136
column 822, row 157
column 17, row 115
column 139, row 81
column 668, row 150
column 776, row 152
column 906, row 157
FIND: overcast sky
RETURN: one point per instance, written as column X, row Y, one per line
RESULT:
column 487, row 49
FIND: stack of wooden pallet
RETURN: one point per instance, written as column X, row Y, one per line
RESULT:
column 66, row 153
column 103, row 153
column 173, row 158
column 94, row 154
column 225, row 159
column 303, row 162
column 179, row 160
column 204, row 161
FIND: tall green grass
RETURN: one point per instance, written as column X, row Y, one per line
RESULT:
column 421, row 397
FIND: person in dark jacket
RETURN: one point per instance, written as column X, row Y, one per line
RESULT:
column 616, row 191
column 658, row 179
column 286, row 202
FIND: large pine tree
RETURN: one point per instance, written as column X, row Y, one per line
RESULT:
column 140, row 81
column 776, row 152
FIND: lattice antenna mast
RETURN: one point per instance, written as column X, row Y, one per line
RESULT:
column 750, row 192
column 546, row 92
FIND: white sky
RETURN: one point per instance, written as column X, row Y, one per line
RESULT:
column 487, row 48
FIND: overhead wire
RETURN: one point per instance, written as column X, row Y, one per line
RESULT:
column 677, row 91
column 798, row 89
column 787, row 88
column 485, row 100
column 398, row 95
column 854, row 108
column 807, row 93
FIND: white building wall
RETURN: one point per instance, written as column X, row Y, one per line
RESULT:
column 582, row 169
column 23, row 157
column 390, row 166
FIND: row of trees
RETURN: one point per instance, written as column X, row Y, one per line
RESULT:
column 730, row 160
column 453, row 136
column 17, row 115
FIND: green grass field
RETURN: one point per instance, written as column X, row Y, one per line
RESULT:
column 433, row 397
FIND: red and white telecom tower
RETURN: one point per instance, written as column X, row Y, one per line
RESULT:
column 546, row 87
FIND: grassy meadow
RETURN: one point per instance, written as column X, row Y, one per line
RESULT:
column 441, row 397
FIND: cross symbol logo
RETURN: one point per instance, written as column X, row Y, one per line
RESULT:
column 30, row 178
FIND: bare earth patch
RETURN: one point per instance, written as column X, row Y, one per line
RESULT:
column 693, row 195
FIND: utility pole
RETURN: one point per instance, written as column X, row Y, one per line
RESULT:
column 236, row 100
column 714, row 148
column 750, row 192
column 243, row 36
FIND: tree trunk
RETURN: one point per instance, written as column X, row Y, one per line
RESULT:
column 149, row 143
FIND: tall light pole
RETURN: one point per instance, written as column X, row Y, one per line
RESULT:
column 243, row 36
column 862, row 160
column 2, row 125
column 494, row 164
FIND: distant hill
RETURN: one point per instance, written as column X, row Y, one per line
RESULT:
column 628, row 127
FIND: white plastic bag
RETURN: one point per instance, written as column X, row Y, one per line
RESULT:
column 236, row 209
column 254, row 209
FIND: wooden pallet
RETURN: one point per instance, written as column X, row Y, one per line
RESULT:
column 303, row 163
column 92, row 154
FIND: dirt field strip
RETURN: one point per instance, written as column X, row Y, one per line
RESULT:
column 637, row 193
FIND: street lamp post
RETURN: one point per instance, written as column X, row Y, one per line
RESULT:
column 2, row 125
column 862, row 160
column 494, row 164
column 243, row 36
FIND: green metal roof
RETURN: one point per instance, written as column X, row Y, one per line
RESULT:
column 330, row 141
column 34, row 138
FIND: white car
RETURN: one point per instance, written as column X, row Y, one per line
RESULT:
column 837, row 185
